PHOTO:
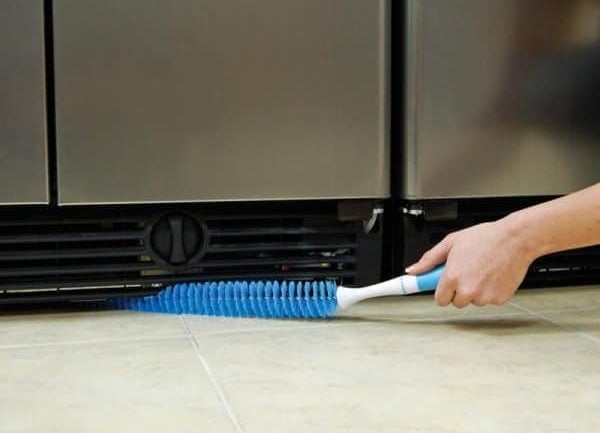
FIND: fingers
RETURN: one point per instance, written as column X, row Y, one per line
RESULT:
column 453, row 290
column 446, row 289
column 480, row 301
column 500, row 299
column 435, row 256
column 461, row 299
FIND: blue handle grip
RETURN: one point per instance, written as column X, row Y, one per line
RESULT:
column 428, row 282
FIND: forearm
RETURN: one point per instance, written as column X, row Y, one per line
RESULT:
column 571, row 221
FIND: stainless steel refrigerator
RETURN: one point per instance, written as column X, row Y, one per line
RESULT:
column 144, row 142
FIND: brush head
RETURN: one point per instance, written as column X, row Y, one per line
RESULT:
column 259, row 299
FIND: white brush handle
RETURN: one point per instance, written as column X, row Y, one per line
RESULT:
column 404, row 285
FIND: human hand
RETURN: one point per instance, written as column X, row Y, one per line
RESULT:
column 484, row 264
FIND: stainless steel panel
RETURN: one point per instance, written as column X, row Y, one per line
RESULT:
column 23, row 166
column 190, row 100
column 502, row 97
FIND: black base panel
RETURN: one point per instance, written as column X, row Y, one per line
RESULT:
column 415, row 234
column 91, row 252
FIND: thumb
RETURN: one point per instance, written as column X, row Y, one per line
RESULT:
column 435, row 256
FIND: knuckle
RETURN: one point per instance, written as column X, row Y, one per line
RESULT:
column 473, row 289
column 471, row 292
column 460, row 303
column 481, row 301
column 477, row 301
column 451, row 277
column 460, row 300
column 441, row 300
column 500, row 300
column 503, row 300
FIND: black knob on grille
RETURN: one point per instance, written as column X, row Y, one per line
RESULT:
column 177, row 239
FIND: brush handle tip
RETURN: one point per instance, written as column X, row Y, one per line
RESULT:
column 429, row 281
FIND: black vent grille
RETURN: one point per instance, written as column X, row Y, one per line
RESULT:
column 55, row 254
column 280, row 246
column 581, row 266
column 85, row 259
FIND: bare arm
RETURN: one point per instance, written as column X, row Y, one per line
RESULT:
column 572, row 221
column 486, row 263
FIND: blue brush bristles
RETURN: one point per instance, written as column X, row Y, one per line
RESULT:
column 270, row 299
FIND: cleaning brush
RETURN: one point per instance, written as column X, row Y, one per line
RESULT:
column 272, row 299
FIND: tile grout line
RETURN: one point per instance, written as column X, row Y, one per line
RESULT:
column 584, row 335
column 92, row 341
column 213, row 379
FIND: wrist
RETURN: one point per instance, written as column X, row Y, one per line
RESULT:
column 526, row 233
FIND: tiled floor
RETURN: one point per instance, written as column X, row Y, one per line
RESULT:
column 391, row 365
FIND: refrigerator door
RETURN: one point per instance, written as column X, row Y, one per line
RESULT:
column 221, row 100
column 502, row 98
column 23, row 161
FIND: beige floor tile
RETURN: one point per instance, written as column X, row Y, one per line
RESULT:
column 586, row 322
column 474, row 373
column 559, row 298
column 26, row 329
column 228, row 325
column 414, row 308
column 394, row 364
column 112, row 387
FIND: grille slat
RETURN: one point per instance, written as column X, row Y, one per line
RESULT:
column 260, row 231
column 50, row 254
column 65, row 270
column 287, row 246
column 71, row 237
column 280, row 261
